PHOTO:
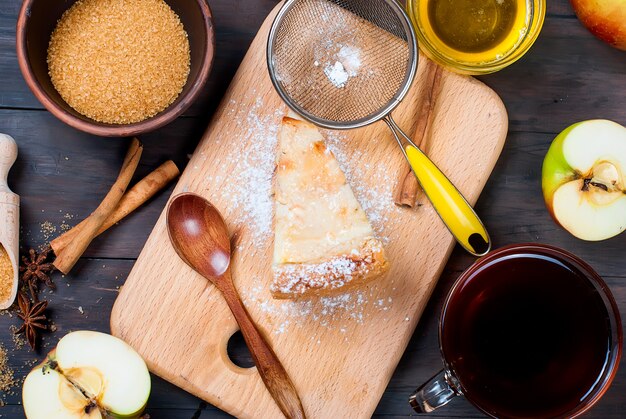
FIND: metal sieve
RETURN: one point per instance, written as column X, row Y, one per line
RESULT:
column 345, row 64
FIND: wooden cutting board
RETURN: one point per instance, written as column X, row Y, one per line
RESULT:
column 339, row 351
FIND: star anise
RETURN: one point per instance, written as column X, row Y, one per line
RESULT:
column 35, row 269
column 33, row 316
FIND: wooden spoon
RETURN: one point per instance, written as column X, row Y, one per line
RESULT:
column 200, row 237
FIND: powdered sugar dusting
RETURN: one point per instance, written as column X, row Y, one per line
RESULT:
column 337, row 74
column 246, row 200
column 335, row 273
column 249, row 196
column 347, row 67
column 331, row 313
column 350, row 58
column 331, row 47
column 376, row 196
column 331, row 274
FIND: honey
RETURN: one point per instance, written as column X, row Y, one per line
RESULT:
column 474, row 31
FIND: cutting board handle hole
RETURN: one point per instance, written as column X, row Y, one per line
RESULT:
column 238, row 351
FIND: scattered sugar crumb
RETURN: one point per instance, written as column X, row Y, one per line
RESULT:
column 7, row 375
column 47, row 229
column 65, row 226
column 18, row 339
column 337, row 312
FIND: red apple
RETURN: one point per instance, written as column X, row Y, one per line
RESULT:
column 606, row 19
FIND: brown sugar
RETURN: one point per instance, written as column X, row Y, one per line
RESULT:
column 6, row 275
column 119, row 61
column 7, row 378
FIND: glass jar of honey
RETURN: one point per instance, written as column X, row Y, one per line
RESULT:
column 476, row 36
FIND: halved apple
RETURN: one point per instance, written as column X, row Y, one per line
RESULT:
column 89, row 375
column 583, row 179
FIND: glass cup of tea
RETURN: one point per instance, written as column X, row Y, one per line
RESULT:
column 529, row 330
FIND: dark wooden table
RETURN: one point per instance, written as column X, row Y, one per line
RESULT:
column 62, row 174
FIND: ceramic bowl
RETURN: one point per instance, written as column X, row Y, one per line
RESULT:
column 38, row 18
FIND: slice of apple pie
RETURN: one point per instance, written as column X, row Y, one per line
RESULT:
column 324, row 242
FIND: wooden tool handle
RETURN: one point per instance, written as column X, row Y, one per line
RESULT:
column 270, row 369
column 8, row 155
column 9, row 214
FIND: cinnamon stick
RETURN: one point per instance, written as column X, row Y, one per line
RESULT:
column 406, row 192
column 67, row 257
column 136, row 196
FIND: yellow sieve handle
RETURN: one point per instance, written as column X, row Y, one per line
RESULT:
column 451, row 206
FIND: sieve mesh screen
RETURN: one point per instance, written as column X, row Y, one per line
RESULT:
column 341, row 61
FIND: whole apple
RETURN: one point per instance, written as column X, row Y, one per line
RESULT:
column 584, row 179
column 606, row 19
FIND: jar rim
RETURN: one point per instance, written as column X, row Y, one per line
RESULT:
column 537, row 10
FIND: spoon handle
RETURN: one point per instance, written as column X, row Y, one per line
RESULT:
column 271, row 370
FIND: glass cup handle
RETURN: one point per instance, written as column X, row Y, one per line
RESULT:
column 437, row 392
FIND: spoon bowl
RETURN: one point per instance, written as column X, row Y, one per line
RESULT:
column 199, row 234
column 200, row 237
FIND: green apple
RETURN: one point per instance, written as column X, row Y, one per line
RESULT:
column 88, row 375
column 583, row 179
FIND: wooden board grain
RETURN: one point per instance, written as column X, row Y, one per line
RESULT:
column 567, row 76
column 339, row 353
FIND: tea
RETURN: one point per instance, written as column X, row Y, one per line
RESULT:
column 528, row 336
